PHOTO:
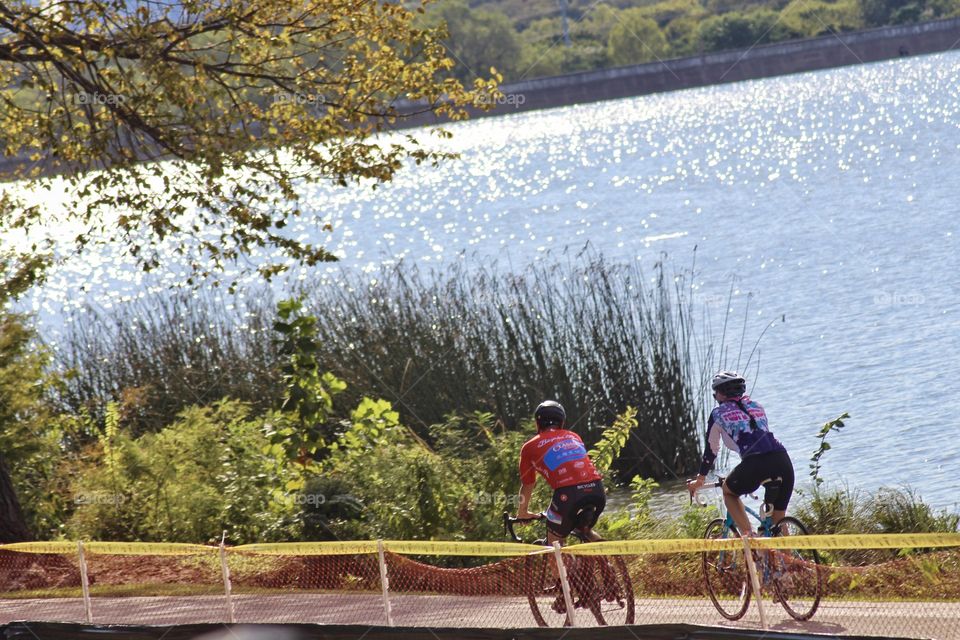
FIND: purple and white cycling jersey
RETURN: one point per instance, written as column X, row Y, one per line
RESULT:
column 730, row 424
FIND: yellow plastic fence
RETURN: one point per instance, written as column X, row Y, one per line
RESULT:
column 904, row 585
column 501, row 549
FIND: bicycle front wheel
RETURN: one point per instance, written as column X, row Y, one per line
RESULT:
column 797, row 580
column 725, row 575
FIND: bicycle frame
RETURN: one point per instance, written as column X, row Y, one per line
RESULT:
column 509, row 522
column 765, row 522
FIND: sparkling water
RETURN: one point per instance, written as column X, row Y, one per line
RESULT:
column 827, row 201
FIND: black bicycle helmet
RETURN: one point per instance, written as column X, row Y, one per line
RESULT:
column 729, row 383
column 549, row 414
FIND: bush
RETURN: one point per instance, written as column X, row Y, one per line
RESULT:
column 404, row 489
column 849, row 511
column 212, row 470
column 635, row 39
column 877, row 13
column 835, row 511
column 741, row 30
column 904, row 511
column 30, row 439
column 818, row 17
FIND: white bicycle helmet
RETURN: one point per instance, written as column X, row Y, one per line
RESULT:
column 729, row 383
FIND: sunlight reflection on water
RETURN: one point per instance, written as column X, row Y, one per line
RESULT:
column 827, row 196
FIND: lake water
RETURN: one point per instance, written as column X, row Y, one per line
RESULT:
column 828, row 200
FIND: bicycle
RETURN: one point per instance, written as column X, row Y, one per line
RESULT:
column 596, row 583
column 794, row 576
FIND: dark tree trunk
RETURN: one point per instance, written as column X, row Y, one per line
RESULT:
column 13, row 526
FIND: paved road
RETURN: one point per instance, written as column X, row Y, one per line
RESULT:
column 903, row 619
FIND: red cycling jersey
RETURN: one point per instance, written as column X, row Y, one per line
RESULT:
column 559, row 456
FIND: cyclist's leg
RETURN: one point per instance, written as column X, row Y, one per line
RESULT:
column 591, row 535
column 595, row 498
column 745, row 478
column 737, row 512
column 559, row 523
column 560, row 514
column 784, row 470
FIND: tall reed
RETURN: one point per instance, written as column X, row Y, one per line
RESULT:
column 160, row 355
column 593, row 335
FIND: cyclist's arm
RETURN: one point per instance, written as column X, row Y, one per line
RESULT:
column 528, row 478
column 711, row 449
column 523, row 504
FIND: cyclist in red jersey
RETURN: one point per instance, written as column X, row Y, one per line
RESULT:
column 561, row 458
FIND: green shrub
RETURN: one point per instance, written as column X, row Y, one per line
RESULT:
column 212, row 470
column 849, row 511
column 30, row 438
column 694, row 520
column 741, row 30
column 834, row 511
column 635, row 39
column 634, row 521
column 904, row 511
column 819, row 17
column 403, row 488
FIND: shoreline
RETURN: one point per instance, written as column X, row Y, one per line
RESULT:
column 761, row 61
column 735, row 65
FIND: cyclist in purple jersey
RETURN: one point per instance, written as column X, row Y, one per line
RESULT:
column 741, row 424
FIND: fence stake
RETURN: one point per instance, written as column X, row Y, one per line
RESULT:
column 754, row 580
column 384, row 584
column 227, row 586
column 84, row 583
column 562, row 572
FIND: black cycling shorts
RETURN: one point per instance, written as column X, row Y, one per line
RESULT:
column 756, row 470
column 567, row 502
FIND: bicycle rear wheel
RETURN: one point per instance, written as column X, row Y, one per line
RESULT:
column 725, row 574
column 544, row 593
column 797, row 580
column 611, row 591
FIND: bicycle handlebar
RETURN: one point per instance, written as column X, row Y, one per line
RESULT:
column 709, row 485
column 509, row 521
